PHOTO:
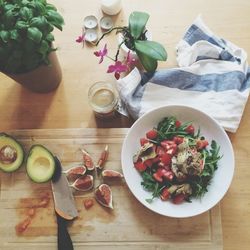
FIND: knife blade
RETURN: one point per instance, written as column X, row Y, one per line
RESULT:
column 65, row 208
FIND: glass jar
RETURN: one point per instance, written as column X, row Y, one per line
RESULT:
column 103, row 98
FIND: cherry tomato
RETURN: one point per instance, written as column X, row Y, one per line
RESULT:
column 177, row 124
column 178, row 140
column 190, row 129
column 179, row 198
column 165, row 194
column 148, row 162
column 140, row 166
column 200, row 144
column 151, row 134
column 143, row 141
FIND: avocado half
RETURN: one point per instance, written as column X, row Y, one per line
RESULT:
column 11, row 153
column 40, row 164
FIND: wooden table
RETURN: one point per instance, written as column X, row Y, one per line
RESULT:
column 68, row 106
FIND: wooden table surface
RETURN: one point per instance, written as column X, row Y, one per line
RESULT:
column 67, row 107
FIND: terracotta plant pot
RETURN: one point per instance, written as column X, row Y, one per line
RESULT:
column 43, row 79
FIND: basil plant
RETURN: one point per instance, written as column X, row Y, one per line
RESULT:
column 26, row 34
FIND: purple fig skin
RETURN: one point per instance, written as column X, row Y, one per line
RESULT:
column 103, row 195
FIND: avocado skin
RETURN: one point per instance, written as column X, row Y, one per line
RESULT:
column 3, row 134
column 30, row 154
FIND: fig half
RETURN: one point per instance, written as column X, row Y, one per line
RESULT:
column 83, row 183
column 111, row 174
column 103, row 195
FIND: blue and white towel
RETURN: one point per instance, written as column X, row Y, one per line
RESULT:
column 213, row 76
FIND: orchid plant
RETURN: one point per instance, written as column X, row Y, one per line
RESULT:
column 135, row 39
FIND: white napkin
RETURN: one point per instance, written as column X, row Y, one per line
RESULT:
column 213, row 76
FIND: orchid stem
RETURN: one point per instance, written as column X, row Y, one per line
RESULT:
column 109, row 31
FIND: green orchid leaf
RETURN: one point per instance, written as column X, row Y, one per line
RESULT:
column 137, row 23
column 152, row 49
column 147, row 62
column 34, row 34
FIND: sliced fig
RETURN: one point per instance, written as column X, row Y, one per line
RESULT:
column 103, row 195
column 111, row 174
column 103, row 158
column 75, row 172
column 87, row 160
column 83, row 183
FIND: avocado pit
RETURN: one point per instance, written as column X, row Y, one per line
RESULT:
column 8, row 154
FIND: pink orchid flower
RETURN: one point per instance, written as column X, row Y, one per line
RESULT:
column 101, row 53
column 118, row 68
column 81, row 38
column 130, row 61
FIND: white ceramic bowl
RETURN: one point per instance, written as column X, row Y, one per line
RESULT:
column 210, row 129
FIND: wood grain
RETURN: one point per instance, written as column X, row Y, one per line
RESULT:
column 128, row 226
column 68, row 107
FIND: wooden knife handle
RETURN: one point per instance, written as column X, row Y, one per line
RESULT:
column 64, row 241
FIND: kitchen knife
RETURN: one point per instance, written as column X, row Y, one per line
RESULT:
column 65, row 208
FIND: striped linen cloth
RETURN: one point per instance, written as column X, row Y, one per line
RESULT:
column 213, row 76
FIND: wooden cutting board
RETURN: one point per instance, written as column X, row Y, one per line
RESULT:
column 129, row 226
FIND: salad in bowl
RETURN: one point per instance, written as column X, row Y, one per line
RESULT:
column 177, row 161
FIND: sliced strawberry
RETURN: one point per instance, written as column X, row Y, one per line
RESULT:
column 151, row 134
column 143, row 141
column 140, row 166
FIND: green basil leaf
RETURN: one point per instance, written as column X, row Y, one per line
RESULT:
column 151, row 49
column 55, row 18
column 44, row 48
column 4, row 35
column 148, row 63
column 34, row 34
column 39, row 22
column 26, row 13
column 14, row 35
column 50, row 38
column 137, row 23
column 21, row 25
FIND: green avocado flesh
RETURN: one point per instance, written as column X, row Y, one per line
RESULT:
column 11, row 153
column 40, row 164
